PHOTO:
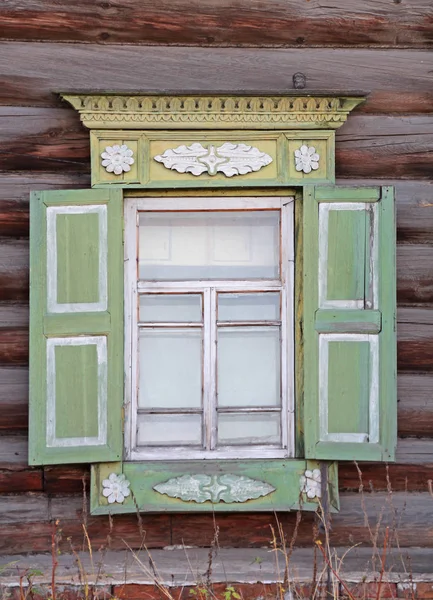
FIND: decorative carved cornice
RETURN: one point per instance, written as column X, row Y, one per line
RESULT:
column 212, row 112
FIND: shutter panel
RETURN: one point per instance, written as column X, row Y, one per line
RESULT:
column 349, row 287
column 76, row 326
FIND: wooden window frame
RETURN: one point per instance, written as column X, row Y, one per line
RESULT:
column 209, row 289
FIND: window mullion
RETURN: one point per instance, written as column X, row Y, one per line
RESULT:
column 209, row 371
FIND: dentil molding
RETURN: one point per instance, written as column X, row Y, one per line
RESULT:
column 108, row 111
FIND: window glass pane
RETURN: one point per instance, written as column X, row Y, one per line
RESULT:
column 253, row 428
column 249, row 307
column 170, row 363
column 169, row 430
column 170, row 308
column 209, row 245
column 248, row 364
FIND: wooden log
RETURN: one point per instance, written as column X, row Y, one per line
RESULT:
column 413, row 200
column 14, row 346
column 31, row 72
column 66, row 479
column 415, row 405
column 14, row 398
column 12, row 482
column 414, row 281
column 415, row 347
column 248, row 23
column 14, row 270
column 366, row 145
column 13, row 452
column 381, row 477
column 24, row 508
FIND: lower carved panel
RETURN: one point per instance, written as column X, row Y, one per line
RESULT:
column 221, row 486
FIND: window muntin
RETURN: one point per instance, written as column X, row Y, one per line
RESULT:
column 209, row 360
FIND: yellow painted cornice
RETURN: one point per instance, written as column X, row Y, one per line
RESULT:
column 118, row 111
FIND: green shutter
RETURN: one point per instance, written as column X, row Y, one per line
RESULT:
column 350, row 399
column 76, row 326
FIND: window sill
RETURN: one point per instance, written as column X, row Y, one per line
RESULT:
column 212, row 486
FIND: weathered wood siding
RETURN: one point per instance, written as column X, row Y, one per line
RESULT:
column 380, row 47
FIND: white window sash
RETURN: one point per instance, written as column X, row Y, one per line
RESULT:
column 209, row 290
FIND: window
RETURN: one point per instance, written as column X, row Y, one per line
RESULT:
column 209, row 303
column 278, row 310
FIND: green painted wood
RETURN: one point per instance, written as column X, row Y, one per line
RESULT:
column 346, row 254
column 74, row 383
column 280, row 480
column 353, row 320
column 347, row 194
column 348, row 389
column 78, row 257
column 76, row 386
column 340, row 365
column 77, row 323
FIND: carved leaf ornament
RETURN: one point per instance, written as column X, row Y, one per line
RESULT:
column 215, row 488
column 230, row 159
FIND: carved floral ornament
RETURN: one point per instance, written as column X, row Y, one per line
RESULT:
column 214, row 488
column 306, row 159
column 311, row 483
column 117, row 159
column 115, row 488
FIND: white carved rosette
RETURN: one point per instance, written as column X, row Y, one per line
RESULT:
column 115, row 488
column 117, row 159
column 311, row 483
column 230, row 159
column 306, row 159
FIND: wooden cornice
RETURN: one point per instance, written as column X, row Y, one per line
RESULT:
column 118, row 111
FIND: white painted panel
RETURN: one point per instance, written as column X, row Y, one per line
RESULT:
column 372, row 436
column 52, row 259
column 100, row 342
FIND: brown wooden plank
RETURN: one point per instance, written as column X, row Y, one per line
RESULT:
column 12, row 482
column 267, row 23
column 14, row 270
column 23, row 508
column 414, row 451
column 380, row 477
column 413, row 199
column 14, row 346
column 414, row 280
column 32, row 72
column 415, row 347
column 384, row 146
column 13, row 452
column 66, row 479
column 366, row 145
column 14, row 398
column 415, row 405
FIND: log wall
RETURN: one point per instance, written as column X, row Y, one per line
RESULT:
column 380, row 47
